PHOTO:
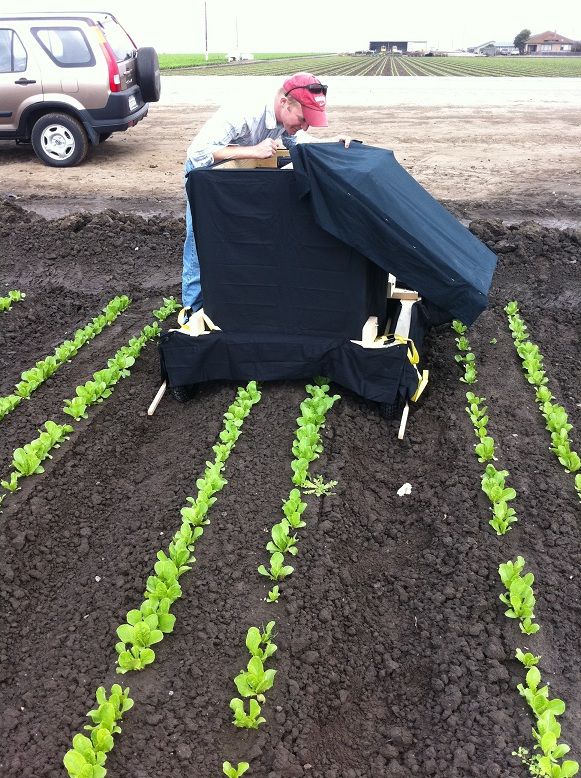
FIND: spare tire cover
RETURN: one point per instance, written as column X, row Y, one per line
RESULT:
column 147, row 70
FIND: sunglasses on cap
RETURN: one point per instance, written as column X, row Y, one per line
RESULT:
column 315, row 89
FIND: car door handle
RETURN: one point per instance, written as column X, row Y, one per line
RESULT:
column 25, row 81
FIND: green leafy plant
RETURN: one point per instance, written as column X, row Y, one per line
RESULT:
column 317, row 486
column 458, row 327
column 277, row 570
column 259, row 643
column 235, row 772
column 282, row 540
column 538, row 696
column 293, row 508
column 87, row 757
column 520, row 598
column 255, row 680
column 485, row 449
column 147, row 625
column 31, row 379
column 555, row 415
column 493, row 485
column 244, row 720
column 273, row 594
column 527, row 659
column 13, row 296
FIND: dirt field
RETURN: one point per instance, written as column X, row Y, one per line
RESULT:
column 395, row 658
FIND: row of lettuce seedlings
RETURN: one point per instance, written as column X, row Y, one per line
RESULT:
column 13, row 296
column 32, row 378
column 147, row 625
column 27, row 460
column 519, row 596
column 555, row 415
column 307, row 446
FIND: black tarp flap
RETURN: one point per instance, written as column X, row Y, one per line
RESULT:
column 364, row 197
column 384, row 375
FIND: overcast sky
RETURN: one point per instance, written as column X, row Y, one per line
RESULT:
column 178, row 25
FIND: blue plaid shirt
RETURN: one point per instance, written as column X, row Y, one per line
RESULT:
column 244, row 125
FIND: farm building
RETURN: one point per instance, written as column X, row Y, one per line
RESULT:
column 397, row 47
column 548, row 43
column 492, row 48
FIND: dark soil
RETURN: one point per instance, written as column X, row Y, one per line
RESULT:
column 394, row 658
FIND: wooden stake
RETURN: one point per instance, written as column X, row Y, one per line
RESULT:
column 403, row 422
column 157, row 399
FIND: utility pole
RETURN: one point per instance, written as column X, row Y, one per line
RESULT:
column 206, row 27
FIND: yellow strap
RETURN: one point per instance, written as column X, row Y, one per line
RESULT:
column 413, row 355
column 421, row 385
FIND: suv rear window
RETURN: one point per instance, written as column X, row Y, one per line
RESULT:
column 12, row 53
column 67, row 46
column 117, row 38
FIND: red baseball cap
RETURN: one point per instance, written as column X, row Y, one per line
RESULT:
column 307, row 90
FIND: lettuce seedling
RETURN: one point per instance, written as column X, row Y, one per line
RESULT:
column 8, row 404
column 520, row 597
column 88, row 755
column 528, row 659
column 235, row 772
column 256, row 639
column 278, row 570
column 458, row 327
column 485, row 449
column 77, row 408
column 493, row 481
column 83, row 761
column 110, row 709
column 502, row 517
column 12, row 484
column 255, row 680
column 26, row 460
column 281, row 539
column 547, row 736
column 470, row 374
column 538, row 698
column 570, row 461
column 273, row 595
column 250, row 720
column 300, row 468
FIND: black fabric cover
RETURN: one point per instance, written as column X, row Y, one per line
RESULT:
column 383, row 375
column 266, row 266
column 366, row 199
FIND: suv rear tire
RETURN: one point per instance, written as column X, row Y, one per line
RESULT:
column 59, row 140
column 147, row 72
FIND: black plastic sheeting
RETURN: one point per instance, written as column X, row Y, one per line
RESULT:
column 362, row 196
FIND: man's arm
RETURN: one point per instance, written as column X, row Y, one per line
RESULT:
column 308, row 138
column 264, row 150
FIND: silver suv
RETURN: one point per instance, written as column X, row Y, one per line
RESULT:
column 70, row 79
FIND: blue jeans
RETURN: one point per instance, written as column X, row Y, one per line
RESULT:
column 191, row 288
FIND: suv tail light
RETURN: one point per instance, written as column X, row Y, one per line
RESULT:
column 112, row 66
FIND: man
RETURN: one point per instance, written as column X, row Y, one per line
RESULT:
column 251, row 131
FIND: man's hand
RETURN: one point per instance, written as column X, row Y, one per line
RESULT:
column 345, row 139
column 265, row 149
